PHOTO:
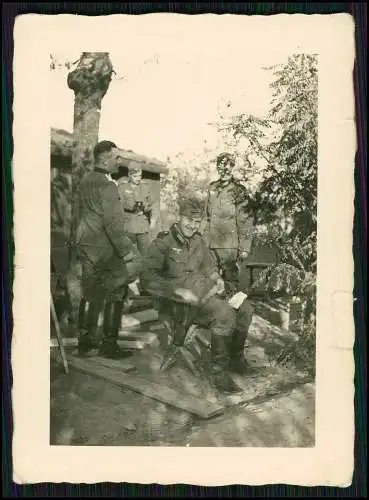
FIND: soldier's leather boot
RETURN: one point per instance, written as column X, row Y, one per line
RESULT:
column 238, row 364
column 109, row 347
column 220, row 376
column 87, row 323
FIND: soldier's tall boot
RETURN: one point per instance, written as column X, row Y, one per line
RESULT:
column 238, row 364
column 220, row 354
column 109, row 347
column 88, row 316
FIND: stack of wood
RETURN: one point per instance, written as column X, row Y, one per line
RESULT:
column 140, row 327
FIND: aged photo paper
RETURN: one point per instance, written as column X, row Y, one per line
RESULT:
column 174, row 77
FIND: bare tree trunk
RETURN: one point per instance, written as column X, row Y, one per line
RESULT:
column 90, row 82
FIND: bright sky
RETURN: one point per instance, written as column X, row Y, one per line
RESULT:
column 171, row 90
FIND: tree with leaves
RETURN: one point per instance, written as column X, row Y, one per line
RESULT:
column 285, row 200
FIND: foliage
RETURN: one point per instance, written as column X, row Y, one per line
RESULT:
column 58, row 63
column 189, row 175
column 285, row 200
column 301, row 353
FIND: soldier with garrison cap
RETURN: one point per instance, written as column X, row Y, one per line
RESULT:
column 178, row 262
column 228, row 227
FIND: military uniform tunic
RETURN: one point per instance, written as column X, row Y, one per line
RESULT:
column 173, row 261
column 228, row 227
column 137, row 205
column 102, row 243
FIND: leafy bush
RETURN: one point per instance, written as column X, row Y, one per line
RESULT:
column 285, row 201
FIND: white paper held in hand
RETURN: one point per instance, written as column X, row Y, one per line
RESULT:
column 133, row 286
column 237, row 300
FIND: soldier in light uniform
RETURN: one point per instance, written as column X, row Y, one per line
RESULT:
column 228, row 227
column 178, row 262
column 137, row 205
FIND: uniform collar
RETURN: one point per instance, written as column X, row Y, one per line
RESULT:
column 107, row 175
column 178, row 236
column 222, row 183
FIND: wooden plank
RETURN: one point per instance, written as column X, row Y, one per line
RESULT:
column 159, row 392
column 136, row 318
column 123, row 365
column 67, row 342
column 137, row 340
column 157, row 325
column 128, row 342
column 145, row 315
column 146, row 337
column 132, row 344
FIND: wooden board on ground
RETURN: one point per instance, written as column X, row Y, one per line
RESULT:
column 146, row 387
column 134, row 340
column 123, row 365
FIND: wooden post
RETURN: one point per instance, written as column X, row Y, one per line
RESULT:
column 89, row 82
column 59, row 335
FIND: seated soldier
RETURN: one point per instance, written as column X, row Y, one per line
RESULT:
column 179, row 262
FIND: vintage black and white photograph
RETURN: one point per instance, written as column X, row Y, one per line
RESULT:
column 183, row 248
column 193, row 186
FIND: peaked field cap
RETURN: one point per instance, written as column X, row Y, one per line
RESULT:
column 226, row 156
column 191, row 207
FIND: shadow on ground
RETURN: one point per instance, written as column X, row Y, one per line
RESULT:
column 276, row 409
column 88, row 411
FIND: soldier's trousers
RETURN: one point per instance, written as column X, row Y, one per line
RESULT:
column 216, row 315
column 222, row 319
column 105, row 280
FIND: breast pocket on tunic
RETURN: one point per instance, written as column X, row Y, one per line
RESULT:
column 176, row 262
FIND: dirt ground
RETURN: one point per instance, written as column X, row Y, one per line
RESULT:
column 89, row 411
column 277, row 408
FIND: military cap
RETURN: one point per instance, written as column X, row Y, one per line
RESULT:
column 226, row 156
column 192, row 207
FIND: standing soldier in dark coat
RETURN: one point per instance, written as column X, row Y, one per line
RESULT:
column 137, row 204
column 179, row 262
column 104, row 250
column 228, row 226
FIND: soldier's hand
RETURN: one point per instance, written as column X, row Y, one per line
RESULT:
column 244, row 255
column 187, row 295
column 220, row 286
column 129, row 257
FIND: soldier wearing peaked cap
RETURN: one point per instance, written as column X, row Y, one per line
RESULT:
column 138, row 208
column 228, row 227
column 178, row 262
